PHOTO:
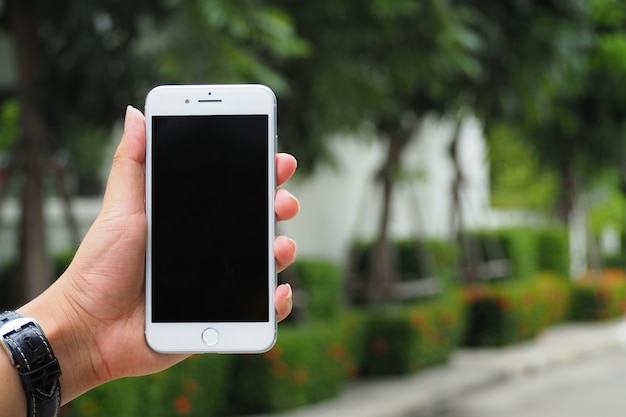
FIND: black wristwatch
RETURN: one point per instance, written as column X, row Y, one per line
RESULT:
column 38, row 368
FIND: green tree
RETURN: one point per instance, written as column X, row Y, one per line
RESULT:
column 220, row 41
column 388, row 64
column 80, row 63
column 74, row 68
column 379, row 65
column 585, row 137
column 553, row 72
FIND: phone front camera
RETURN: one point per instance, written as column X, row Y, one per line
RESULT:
column 186, row 101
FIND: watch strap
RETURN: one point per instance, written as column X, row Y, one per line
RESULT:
column 35, row 361
column 7, row 316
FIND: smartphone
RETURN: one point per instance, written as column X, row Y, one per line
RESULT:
column 210, row 184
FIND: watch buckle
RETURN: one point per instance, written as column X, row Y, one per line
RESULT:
column 14, row 326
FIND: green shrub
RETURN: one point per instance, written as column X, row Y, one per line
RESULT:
column 401, row 339
column 513, row 311
column 196, row 388
column 322, row 282
column 553, row 250
column 307, row 365
column 445, row 255
column 352, row 327
column 600, row 296
column 520, row 248
column 419, row 258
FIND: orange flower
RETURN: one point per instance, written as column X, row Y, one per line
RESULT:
column 273, row 354
column 191, row 386
column 504, row 303
column 182, row 405
column 418, row 319
column 280, row 369
column 337, row 352
column 299, row 376
column 351, row 369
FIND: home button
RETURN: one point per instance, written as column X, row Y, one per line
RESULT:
column 210, row 336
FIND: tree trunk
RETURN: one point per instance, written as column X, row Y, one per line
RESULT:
column 568, row 191
column 456, row 214
column 34, row 272
column 383, row 275
column 466, row 265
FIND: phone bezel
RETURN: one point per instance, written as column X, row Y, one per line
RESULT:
column 193, row 100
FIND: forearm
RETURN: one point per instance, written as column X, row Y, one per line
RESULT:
column 12, row 395
column 64, row 336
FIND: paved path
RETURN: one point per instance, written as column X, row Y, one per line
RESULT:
column 470, row 370
column 589, row 388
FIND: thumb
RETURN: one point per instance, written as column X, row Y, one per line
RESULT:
column 126, row 184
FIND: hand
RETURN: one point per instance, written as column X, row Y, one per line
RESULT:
column 94, row 314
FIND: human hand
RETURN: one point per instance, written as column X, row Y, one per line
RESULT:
column 94, row 314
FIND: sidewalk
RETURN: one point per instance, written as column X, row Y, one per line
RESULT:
column 469, row 369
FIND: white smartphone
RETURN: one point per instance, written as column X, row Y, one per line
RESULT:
column 210, row 184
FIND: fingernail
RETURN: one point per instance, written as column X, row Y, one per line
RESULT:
column 127, row 117
column 286, row 291
column 297, row 201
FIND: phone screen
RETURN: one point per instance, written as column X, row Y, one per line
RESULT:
column 210, row 218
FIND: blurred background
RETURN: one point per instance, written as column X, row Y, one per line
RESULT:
column 462, row 172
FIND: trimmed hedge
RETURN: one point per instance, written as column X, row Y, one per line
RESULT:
column 553, row 250
column 196, row 387
column 599, row 296
column 322, row 281
column 418, row 258
column 520, row 247
column 402, row 339
column 309, row 363
column 412, row 259
column 515, row 310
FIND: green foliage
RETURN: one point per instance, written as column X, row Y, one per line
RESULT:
column 86, row 144
column 516, row 177
column 392, row 63
column 599, row 296
column 322, row 282
column 392, row 343
column 517, row 246
column 521, row 250
column 412, row 259
column 9, row 124
column 242, row 42
column 88, row 69
column 553, row 250
column 514, row 310
column 308, row 364
column 404, row 339
column 420, row 258
column 353, row 325
column 608, row 206
column 196, row 387
column 445, row 255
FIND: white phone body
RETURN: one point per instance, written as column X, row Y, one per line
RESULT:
column 210, row 184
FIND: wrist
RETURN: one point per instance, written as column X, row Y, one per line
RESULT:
column 70, row 344
column 33, row 359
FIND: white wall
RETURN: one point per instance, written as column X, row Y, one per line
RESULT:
column 343, row 204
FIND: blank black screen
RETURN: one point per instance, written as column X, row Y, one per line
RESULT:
column 210, row 218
